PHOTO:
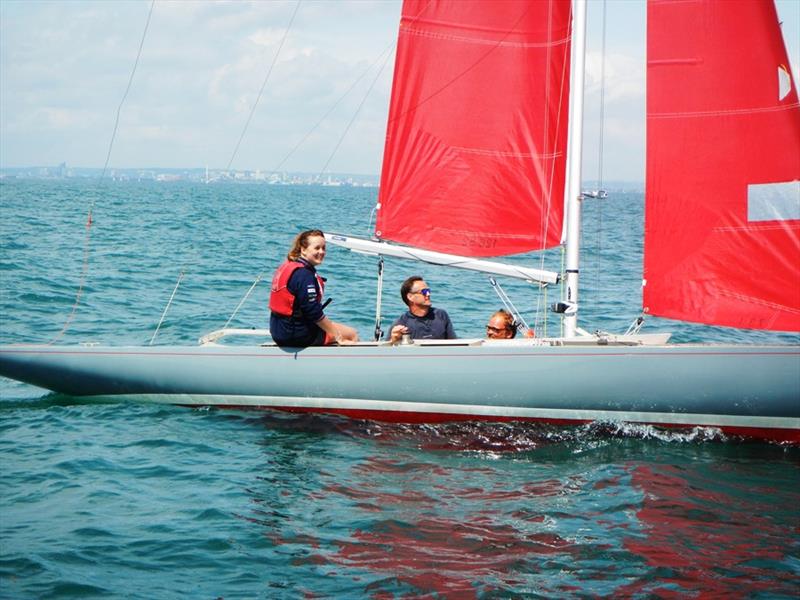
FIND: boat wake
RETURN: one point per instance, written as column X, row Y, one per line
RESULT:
column 50, row 401
column 488, row 437
column 469, row 436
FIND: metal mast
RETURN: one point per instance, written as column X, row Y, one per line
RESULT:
column 574, row 150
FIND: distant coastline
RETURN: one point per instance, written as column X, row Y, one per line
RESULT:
column 212, row 176
column 198, row 175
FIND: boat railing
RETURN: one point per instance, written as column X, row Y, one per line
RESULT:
column 599, row 338
column 215, row 336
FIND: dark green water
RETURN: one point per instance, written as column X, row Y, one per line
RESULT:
column 128, row 501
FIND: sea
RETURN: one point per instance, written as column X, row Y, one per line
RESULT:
column 116, row 500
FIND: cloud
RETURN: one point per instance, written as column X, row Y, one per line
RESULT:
column 622, row 76
column 64, row 67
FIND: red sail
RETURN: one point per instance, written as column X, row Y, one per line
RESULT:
column 476, row 140
column 722, row 233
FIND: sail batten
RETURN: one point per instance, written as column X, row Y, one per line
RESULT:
column 722, row 225
column 476, row 135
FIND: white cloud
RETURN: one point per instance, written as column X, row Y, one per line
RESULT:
column 266, row 37
column 65, row 65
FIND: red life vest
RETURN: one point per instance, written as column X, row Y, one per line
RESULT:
column 281, row 300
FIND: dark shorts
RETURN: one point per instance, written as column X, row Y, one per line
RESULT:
column 316, row 338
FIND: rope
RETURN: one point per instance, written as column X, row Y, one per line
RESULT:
column 87, row 237
column 452, row 81
column 602, row 100
column 549, row 151
column 378, row 300
column 358, row 79
column 544, row 321
column 508, row 304
column 601, row 142
column 563, row 284
column 81, row 283
column 127, row 89
column 355, row 114
column 263, row 85
column 243, row 300
column 164, row 314
column 331, row 109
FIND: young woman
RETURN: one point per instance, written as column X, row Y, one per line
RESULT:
column 297, row 318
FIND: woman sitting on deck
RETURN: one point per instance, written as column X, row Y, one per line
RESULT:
column 297, row 318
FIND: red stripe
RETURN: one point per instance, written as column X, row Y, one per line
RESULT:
column 791, row 436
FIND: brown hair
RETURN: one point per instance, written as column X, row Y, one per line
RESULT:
column 508, row 319
column 406, row 287
column 301, row 241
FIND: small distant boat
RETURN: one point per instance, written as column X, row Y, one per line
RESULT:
column 483, row 159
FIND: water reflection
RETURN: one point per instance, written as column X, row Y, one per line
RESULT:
column 477, row 510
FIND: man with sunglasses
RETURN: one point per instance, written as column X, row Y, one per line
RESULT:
column 501, row 326
column 421, row 320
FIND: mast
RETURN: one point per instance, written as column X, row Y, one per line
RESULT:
column 575, row 148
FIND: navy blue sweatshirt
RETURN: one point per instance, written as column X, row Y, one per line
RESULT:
column 301, row 329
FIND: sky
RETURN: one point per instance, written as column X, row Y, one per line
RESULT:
column 65, row 67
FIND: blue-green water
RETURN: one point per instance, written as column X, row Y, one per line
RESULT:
column 130, row 501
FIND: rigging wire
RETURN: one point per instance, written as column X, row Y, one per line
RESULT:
column 474, row 65
column 360, row 77
column 545, row 223
column 332, row 108
column 166, row 308
column 127, row 89
column 355, row 114
column 600, row 151
column 263, row 85
column 87, row 237
column 243, row 300
column 508, row 304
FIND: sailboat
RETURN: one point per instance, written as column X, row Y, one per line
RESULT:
column 482, row 159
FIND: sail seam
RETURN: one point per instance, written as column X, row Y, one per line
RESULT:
column 506, row 153
column 758, row 301
column 418, row 20
column 484, row 41
column 778, row 227
column 715, row 113
column 484, row 234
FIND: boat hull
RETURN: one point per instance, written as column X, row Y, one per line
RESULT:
column 748, row 390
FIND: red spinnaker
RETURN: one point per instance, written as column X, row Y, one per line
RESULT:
column 476, row 141
column 722, row 234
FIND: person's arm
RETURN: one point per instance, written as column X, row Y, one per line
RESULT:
column 303, row 285
column 450, row 332
column 330, row 328
column 397, row 330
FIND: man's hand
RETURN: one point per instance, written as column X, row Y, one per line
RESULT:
column 397, row 333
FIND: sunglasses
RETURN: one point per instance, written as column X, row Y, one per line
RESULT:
column 423, row 291
column 495, row 329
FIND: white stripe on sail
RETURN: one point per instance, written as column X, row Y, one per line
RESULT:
column 784, row 82
column 773, row 201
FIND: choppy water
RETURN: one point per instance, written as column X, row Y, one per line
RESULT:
column 107, row 500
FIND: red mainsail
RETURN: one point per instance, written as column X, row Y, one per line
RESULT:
column 722, row 228
column 476, row 140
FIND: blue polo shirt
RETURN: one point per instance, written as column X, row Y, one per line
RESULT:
column 435, row 325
